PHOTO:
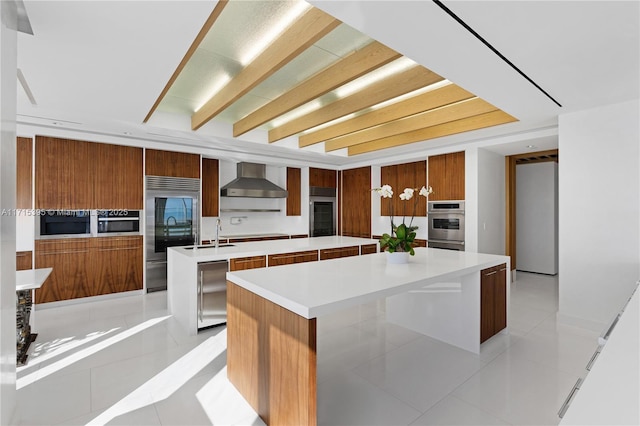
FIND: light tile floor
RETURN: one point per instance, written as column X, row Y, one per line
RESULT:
column 127, row 362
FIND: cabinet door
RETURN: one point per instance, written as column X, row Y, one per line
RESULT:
column 69, row 259
column 438, row 177
column 174, row 164
column 62, row 174
column 116, row 175
column 455, row 175
column 294, row 197
column 501, row 298
column 23, row 260
column 487, row 303
column 336, row 253
column 356, row 202
column 252, row 262
column 322, row 177
column 116, row 264
column 368, row 249
column 210, row 188
column 291, row 258
column 24, row 169
column 401, row 176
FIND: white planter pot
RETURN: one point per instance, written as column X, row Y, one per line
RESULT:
column 397, row 257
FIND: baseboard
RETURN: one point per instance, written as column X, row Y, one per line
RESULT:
column 79, row 300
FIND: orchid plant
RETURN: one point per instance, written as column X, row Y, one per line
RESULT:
column 402, row 236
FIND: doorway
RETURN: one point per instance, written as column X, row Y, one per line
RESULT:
column 511, row 185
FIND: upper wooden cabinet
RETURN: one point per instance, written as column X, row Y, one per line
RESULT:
column 294, row 197
column 356, row 202
column 446, row 176
column 401, row 176
column 210, row 188
column 24, row 171
column 74, row 174
column 116, row 174
column 62, row 174
column 322, row 177
column 174, row 164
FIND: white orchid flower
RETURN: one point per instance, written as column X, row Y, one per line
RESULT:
column 407, row 194
column 426, row 191
column 385, row 191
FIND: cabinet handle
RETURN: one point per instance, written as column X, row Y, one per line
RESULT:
column 490, row 273
column 567, row 401
column 289, row 256
column 248, row 260
column 201, row 295
column 503, row 269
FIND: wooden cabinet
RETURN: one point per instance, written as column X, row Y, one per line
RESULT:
column 493, row 301
column 24, row 171
column 252, row 262
column 291, row 258
column 174, row 164
column 368, row 248
column 24, row 260
column 70, row 261
column 116, row 264
column 84, row 267
column 210, row 188
column 300, row 236
column 74, row 175
column 294, row 197
column 356, row 202
column 446, row 176
column 419, row 242
column 62, row 174
column 116, row 176
column 401, row 176
column 336, row 253
column 322, row 177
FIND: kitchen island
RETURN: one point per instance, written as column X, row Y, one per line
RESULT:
column 271, row 317
column 182, row 265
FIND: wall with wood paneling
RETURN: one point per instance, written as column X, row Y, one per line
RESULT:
column 401, row 176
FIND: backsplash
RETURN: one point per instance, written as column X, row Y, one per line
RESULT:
column 245, row 223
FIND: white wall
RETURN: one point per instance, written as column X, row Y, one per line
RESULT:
column 491, row 202
column 599, row 189
column 471, row 192
column 259, row 222
column 537, row 217
column 8, row 58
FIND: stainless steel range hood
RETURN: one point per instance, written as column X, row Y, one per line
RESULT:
column 252, row 182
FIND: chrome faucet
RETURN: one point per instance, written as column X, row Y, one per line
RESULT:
column 218, row 229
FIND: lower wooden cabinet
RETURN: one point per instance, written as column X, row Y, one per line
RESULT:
column 23, row 260
column 252, row 262
column 116, row 264
column 493, row 301
column 291, row 258
column 84, row 267
column 368, row 248
column 69, row 259
column 336, row 253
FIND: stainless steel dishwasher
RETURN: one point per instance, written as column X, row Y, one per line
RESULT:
column 212, row 293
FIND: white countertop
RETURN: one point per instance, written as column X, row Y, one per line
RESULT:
column 317, row 288
column 31, row 278
column 258, row 248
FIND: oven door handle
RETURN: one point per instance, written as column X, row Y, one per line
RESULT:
column 460, row 243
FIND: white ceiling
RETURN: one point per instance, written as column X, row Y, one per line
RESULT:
column 98, row 66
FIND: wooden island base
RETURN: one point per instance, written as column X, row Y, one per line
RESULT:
column 271, row 358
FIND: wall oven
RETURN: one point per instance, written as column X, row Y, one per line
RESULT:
column 64, row 224
column 322, row 211
column 118, row 222
column 446, row 225
column 171, row 220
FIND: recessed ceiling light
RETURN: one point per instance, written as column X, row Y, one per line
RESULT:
column 127, row 133
column 531, row 146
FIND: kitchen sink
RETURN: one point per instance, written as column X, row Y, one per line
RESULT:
column 209, row 246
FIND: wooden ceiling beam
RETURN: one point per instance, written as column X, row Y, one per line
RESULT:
column 360, row 62
column 398, row 84
column 217, row 10
column 308, row 29
column 476, row 122
column 423, row 102
column 445, row 114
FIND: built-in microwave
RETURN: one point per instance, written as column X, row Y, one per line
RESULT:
column 118, row 222
column 63, row 224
